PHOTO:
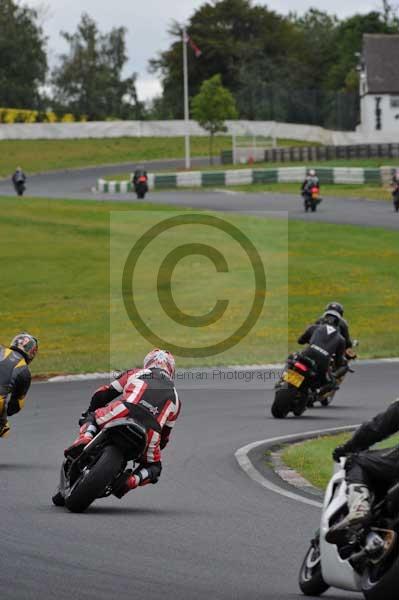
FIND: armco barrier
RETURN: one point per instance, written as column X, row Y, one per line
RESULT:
column 247, row 176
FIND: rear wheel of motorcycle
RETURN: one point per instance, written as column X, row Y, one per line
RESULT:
column 93, row 483
column 282, row 402
column 310, row 579
column 314, row 208
column 385, row 587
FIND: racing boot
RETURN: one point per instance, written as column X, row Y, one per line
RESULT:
column 130, row 480
column 359, row 509
column 86, row 433
column 124, row 483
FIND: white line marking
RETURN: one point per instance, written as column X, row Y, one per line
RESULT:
column 242, row 458
column 228, row 192
column 79, row 377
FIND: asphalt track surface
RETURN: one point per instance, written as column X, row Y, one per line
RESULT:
column 206, row 530
column 78, row 184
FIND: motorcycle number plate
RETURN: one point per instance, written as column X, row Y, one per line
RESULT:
column 293, row 378
column 315, row 195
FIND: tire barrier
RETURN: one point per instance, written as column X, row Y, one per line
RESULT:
column 197, row 179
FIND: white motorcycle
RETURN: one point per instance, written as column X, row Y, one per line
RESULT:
column 368, row 560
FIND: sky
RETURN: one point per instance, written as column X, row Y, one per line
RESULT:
column 147, row 22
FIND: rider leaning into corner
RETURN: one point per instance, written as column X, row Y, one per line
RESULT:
column 15, row 377
column 150, row 397
column 325, row 342
column 366, row 469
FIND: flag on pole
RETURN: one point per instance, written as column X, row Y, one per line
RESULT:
column 197, row 51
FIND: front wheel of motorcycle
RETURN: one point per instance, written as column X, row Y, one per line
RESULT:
column 94, row 481
column 311, row 580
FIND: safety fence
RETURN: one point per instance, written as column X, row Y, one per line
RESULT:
column 308, row 153
column 196, row 179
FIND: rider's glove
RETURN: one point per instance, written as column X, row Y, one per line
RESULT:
column 339, row 452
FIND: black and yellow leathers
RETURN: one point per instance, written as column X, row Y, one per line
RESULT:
column 15, row 380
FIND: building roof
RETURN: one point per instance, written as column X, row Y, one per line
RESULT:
column 381, row 61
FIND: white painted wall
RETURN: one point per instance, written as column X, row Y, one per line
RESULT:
column 107, row 129
column 389, row 124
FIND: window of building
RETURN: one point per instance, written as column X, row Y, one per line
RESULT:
column 394, row 101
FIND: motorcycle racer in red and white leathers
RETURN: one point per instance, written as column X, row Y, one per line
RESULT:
column 150, row 397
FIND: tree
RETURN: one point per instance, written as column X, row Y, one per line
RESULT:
column 89, row 78
column 211, row 106
column 23, row 61
column 389, row 14
column 229, row 33
column 299, row 69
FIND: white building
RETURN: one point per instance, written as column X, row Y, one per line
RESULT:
column 379, row 85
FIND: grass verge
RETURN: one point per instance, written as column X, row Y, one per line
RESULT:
column 46, row 155
column 343, row 190
column 312, row 459
column 55, row 276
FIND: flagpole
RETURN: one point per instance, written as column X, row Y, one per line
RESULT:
column 186, row 106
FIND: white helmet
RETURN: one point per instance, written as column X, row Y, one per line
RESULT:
column 312, row 173
column 160, row 359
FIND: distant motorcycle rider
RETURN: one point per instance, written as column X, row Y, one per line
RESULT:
column 15, row 377
column 342, row 325
column 366, row 468
column 395, row 179
column 150, row 397
column 139, row 172
column 311, row 180
column 18, row 177
column 324, row 342
column 395, row 189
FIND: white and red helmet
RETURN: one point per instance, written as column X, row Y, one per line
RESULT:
column 160, row 359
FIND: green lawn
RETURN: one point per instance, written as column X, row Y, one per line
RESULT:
column 46, row 155
column 313, row 458
column 55, row 277
column 343, row 190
